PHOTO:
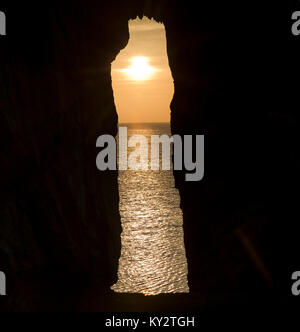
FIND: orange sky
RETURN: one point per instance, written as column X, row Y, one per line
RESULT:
column 143, row 98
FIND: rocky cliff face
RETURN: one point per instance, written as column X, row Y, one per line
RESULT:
column 60, row 224
column 229, row 64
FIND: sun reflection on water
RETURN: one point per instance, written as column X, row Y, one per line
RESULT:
column 153, row 259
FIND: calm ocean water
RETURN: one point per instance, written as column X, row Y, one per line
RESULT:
column 153, row 259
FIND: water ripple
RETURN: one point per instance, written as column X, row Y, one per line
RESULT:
column 153, row 259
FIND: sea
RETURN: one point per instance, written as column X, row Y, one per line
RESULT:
column 153, row 258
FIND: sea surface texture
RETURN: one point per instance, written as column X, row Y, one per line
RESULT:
column 153, row 259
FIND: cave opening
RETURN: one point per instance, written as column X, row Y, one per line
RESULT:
column 153, row 258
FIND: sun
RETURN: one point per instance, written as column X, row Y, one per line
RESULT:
column 140, row 69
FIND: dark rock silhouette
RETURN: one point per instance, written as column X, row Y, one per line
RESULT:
column 60, row 225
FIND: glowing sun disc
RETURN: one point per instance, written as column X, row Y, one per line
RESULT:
column 139, row 69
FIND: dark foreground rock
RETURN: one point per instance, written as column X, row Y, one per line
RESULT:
column 59, row 219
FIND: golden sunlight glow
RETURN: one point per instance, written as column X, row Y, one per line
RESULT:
column 140, row 69
column 141, row 77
